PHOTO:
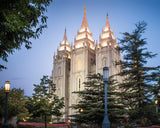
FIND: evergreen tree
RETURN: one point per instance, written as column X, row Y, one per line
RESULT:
column 156, row 91
column 156, row 97
column 44, row 101
column 138, row 78
column 90, row 109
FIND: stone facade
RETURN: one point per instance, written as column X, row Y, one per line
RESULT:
column 73, row 63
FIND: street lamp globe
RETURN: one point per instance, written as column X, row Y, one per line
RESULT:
column 105, row 74
column 7, row 86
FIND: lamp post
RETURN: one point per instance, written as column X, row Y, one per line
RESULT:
column 6, row 90
column 105, row 123
column 156, row 103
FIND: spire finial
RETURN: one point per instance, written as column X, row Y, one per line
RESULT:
column 107, row 22
column 85, row 8
column 65, row 36
column 84, row 22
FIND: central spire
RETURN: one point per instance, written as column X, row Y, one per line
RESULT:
column 84, row 22
column 84, row 36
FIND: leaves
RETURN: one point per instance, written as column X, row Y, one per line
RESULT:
column 20, row 21
column 16, row 102
column 44, row 100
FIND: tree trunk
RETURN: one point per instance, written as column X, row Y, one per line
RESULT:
column 45, row 121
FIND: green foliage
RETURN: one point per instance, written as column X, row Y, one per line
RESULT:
column 20, row 21
column 115, row 107
column 156, row 91
column 44, row 101
column 16, row 102
column 90, row 109
column 138, row 79
column 2, row 101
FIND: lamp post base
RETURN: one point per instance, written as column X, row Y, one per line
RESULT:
column 156, row 109
column 5, row 125
column 106, row 123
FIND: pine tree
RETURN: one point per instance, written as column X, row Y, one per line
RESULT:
column 90, row 109
column 138, row 78
column 156, row 91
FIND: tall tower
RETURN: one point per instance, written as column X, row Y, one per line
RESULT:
column 82, row 59
column 61, row 71
column 106, row 52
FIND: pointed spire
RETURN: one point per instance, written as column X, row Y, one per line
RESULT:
column 107, row 23
column 65, row 36
column 84, row 22
column 107, row 37
column 64, row 45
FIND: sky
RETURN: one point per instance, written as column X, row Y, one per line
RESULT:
column 27, row 67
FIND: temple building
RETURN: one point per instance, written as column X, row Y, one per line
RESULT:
column 73, row 63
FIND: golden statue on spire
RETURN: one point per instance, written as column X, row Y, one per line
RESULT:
column 85, row 8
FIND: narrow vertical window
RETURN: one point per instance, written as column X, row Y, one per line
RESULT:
column 79, row 84
column 104, row 62
column 59, row 71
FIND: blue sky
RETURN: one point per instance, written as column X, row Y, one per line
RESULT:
column 26, row 67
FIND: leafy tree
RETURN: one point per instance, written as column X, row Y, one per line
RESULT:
column 138, row 78
column 16, row 102
column 90, row 109
column 44, row 101
column 20, row 21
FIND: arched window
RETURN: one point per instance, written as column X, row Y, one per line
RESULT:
column 78, row 83
column 59, row 71
column 79, row 64
column 104, row 62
